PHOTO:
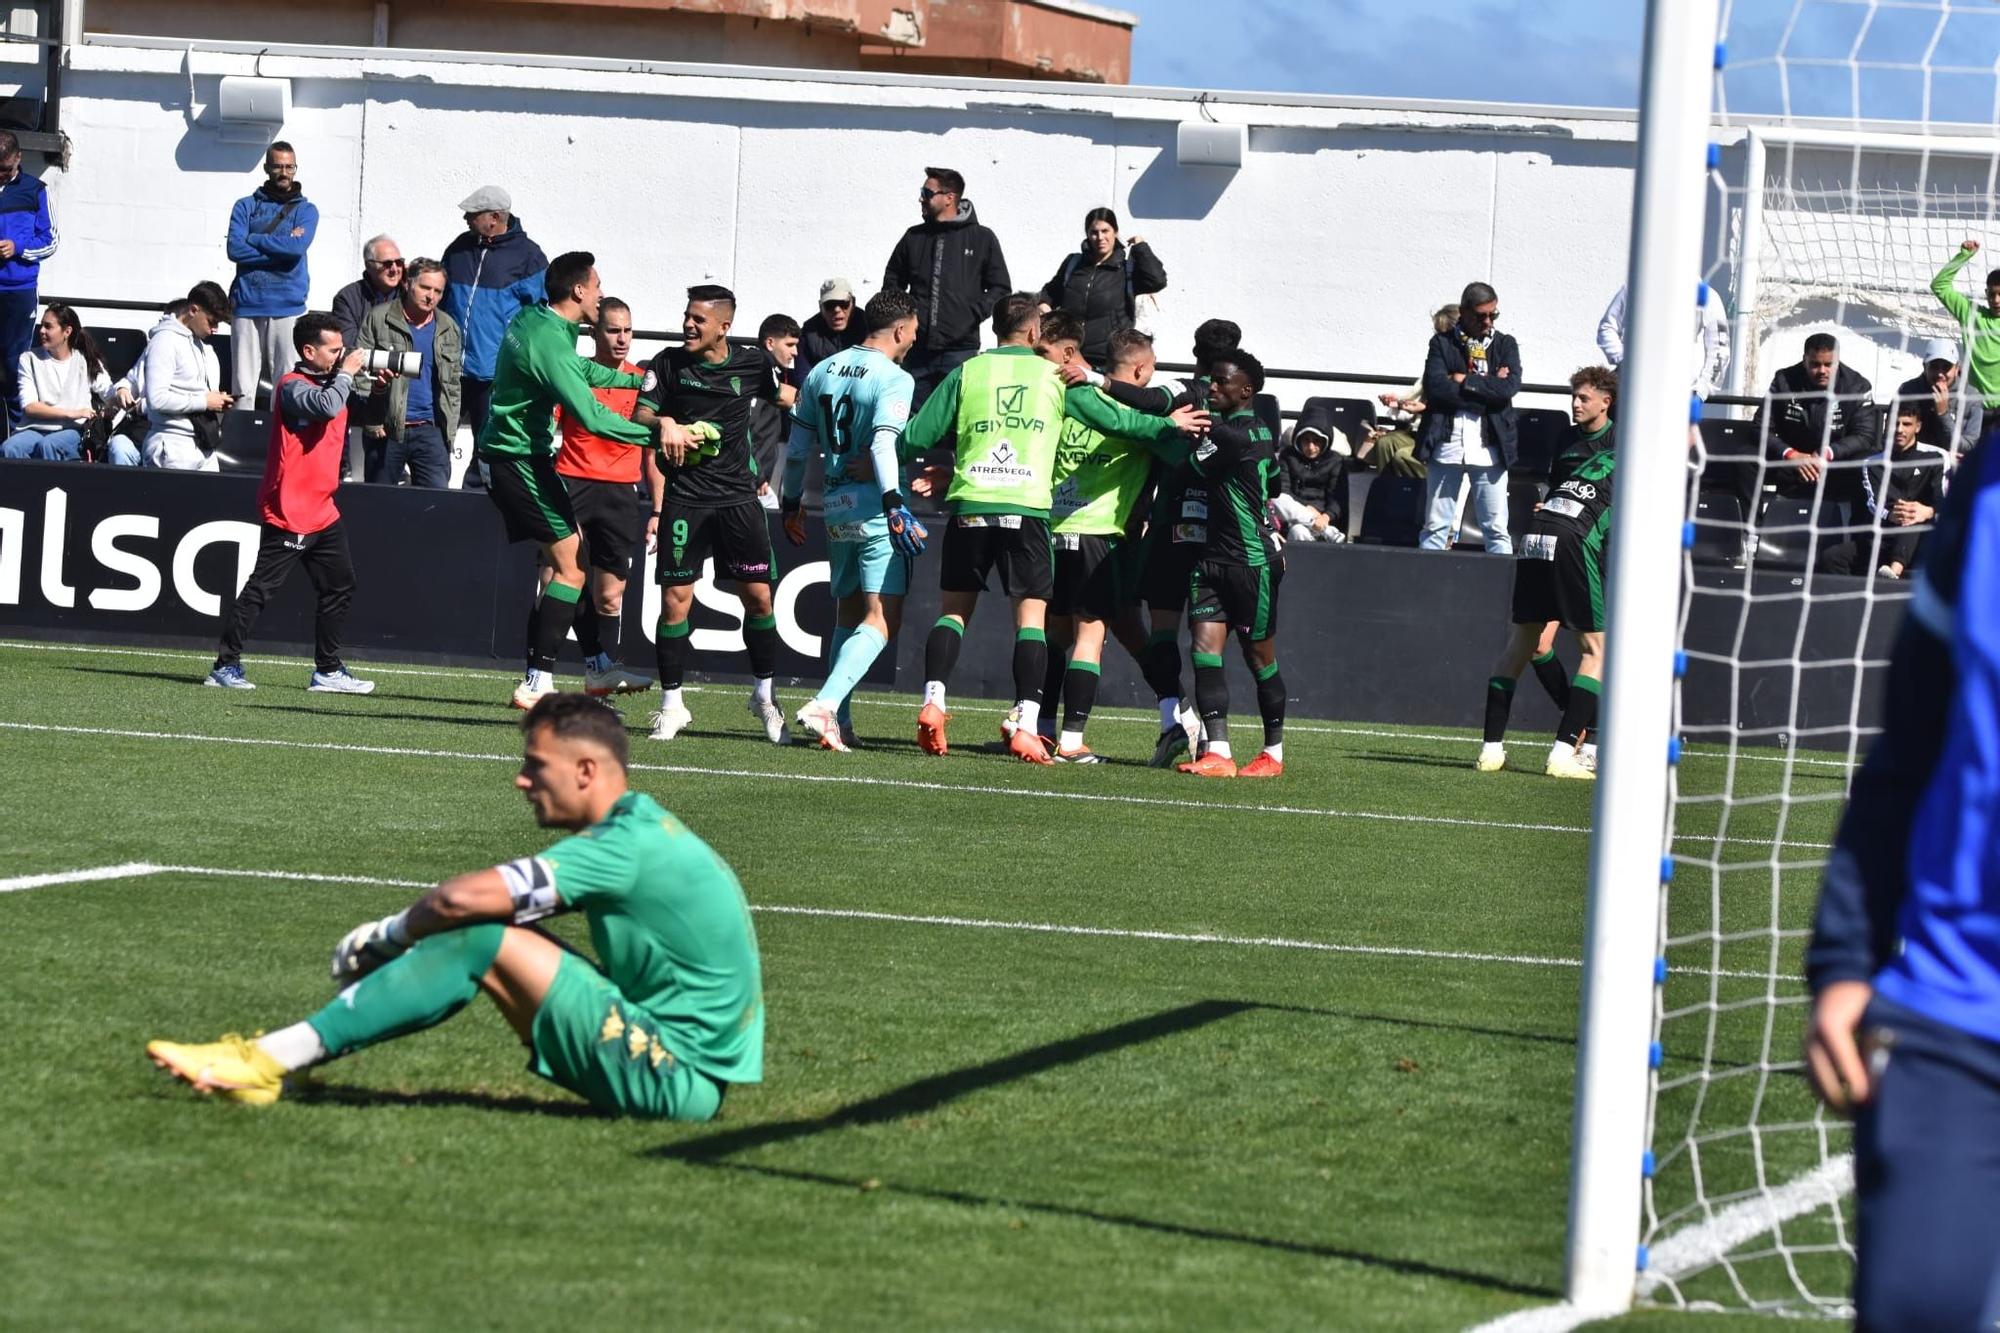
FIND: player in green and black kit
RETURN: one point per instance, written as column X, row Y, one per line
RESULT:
column 1559, row 577
column 1100, row 481
column 1175, row 516
column 1235, row 585
column 672, row 1015
column 706, row 500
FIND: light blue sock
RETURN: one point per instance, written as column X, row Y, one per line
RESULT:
column 834, row 642
column 857, row 652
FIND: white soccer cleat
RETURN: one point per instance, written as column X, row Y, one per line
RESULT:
column 667, row 723
column 773, row 718
column 1588, row 754
column 339, row 682
column 531, row 692
column 1565, row 762
column 821, row 722
column 849, row 738
column 1492, row 757
column 615, row 679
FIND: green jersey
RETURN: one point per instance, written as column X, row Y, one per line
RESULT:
column 1982, row 332
column 539, row 370
column 1104, row 461
column 672, row 931
column 1238, row 460
column 1007, row 408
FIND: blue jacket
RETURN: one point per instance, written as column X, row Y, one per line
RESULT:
column 24, row 220
column 270, row 262
column 489, row 283
column 1911, row 898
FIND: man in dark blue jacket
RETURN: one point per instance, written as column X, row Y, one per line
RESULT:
column 493, row 271
column 269, row 234
column 1904, row 963
column 27, row 237
column 1470, row 378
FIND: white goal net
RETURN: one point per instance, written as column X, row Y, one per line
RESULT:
column 1858, row 145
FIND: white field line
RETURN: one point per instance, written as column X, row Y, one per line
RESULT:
column 1697, row 1247
column 851, row 779
column 1131, row 716
column 140, row 869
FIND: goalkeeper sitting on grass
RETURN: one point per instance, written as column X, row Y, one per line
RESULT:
column 670, row 1019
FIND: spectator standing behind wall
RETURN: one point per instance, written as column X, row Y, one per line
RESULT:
column 1980, row 323
column 180, row 382
column 269, row 234
column 1711, row 339
column 493, row 271
column 382, row 271
column 1471, row 375
column 408, row 422
column 27, row 237
column 62, row 381
column 1100, row 283
column 953, row 269
column 832, row 331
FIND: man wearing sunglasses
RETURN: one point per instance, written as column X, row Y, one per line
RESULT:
column 837, row 327
column 952, row 267
column 382, row 270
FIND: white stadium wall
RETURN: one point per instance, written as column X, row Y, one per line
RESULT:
column 1346, row 226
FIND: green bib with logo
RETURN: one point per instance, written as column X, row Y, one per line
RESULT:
column 1010, row 418
column 1099, row 478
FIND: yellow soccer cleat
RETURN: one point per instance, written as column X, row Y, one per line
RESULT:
column 234, row 1067
column 1564, row 762
column 1492, row 757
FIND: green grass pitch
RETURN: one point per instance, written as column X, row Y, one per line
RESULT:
column 1290, row 1054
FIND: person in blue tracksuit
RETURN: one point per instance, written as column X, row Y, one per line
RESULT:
column 1904, row 963
column 269, row 234
column 27, row 237
column 493, row 272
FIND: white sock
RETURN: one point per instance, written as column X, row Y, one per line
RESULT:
column 1170, row 709
column 1031, row 713
column 1276, row 752
column 1072, row 740
column 673, row 699
column 761, row 691
column 934, row 692
column 1562, row 750
column 294, row 1047
column 541, row 680
column 1220, row 749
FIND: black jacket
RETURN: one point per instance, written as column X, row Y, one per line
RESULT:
column 817, row 342
column 352, row 303
column 1310, row 481
column 1795, row 415
column 1101, row 293
column 956, row 274
column 1491, row 394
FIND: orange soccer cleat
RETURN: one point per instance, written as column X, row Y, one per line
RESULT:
column 1028, row 747
column 930, row 729
column 1209, row 766
column 1263, row 766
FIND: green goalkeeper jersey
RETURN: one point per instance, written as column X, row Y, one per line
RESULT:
column 1006, row 406
column 672, row 930
column 1104, row 461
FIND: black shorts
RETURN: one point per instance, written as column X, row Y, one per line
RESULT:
column 531, row 498
column 611, row 515
column 738, row 536
column 1243, row 597
column 1556, row 577
column 1018, row 543
column 1164, row 568
column 1094, row 575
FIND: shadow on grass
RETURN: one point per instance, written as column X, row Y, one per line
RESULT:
column 1553, row 1039
column 1419, row 760
column 348, row 1094
column 927, row 1094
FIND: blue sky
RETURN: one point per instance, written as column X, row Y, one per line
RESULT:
column 1574, row 52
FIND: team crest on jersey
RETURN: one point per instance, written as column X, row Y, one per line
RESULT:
column 736, row 384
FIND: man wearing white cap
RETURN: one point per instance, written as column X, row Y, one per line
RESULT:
column 833, row 329
column 492, row 271
column 1949, row 414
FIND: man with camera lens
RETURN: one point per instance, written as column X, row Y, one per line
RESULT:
column 408, row 419
column 301, row 525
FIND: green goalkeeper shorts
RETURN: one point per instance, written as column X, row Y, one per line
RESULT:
column 590, row 1039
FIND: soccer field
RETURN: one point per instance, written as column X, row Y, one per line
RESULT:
column 1096, row 1047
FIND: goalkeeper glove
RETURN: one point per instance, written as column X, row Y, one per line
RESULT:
column 794, row 521
column 905, row 533
column 368, row 946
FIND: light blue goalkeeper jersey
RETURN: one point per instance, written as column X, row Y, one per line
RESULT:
column 853, row 407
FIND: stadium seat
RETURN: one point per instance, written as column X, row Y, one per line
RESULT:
column 1731, row 447
column 1539, row 429
column 1784, row 533
column 246, row 436
column 1350, row 416
column 1268, row 412
column 1393, row 514
column 121, row 349
column 1718, row 527
column 1524, row 492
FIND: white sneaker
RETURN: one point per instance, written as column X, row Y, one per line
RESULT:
column 1492, row 757
column 530, row 692
column 1588, row 754
column 667, row 723
column 1565, row 762
column 615, row 679
column 229, row 677
column 822, row 722
column 338, row 682
column 773, row 719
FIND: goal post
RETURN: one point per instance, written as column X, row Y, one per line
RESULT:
column 1622, row 926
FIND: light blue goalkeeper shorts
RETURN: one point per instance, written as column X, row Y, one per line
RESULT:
column 861, row 559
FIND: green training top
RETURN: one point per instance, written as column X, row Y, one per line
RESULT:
column 672, row 930
column 1980, row 327
column 1104, row 461
column 1007, row 407
column 539, row 369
